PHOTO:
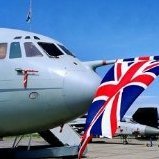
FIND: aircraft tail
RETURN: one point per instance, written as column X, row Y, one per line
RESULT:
column 146, row 116
column 123, row 83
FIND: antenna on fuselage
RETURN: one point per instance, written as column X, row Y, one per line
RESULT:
column 29, row 15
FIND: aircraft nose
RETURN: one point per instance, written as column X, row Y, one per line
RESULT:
column 79, row 89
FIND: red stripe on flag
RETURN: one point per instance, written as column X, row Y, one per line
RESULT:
column 106, row 90
column 113, row 114
column 84, row 145
column 129, row 74
column 146, row 79
column 144, row 58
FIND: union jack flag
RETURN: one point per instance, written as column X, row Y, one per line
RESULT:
column 28, row 19
column 123, row 83
column 29, row 15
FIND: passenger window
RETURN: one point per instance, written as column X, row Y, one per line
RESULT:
column 31, row 50
column 3, row 50
column 15, row 51
column 50, row 49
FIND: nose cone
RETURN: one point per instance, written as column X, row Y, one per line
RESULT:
column 79, row 89
column 151, row 130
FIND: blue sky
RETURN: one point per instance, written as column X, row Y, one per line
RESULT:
column 92, row 29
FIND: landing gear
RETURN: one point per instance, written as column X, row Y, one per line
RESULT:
column 63, row 143
column 125, row 139
column 150, row 144
column 16, row 141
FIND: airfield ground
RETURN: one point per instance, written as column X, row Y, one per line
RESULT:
column 106, row 148
column 113, row 149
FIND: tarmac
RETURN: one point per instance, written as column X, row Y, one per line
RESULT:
column 114, row 149
column 105, row 148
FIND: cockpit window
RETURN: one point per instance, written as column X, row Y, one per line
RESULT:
column 15, row 51
column 66, row 50
column 3, row 50
column 50, row 49
column 31, row 50
column 27, row 37
column 36, row 38
column 18, row 37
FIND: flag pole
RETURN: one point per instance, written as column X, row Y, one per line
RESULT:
column 30, row 15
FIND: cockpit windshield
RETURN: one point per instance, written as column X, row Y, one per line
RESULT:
column 66, row 50
column 50, row 49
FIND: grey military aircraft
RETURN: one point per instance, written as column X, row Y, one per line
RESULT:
column 128, row 127
column 42, row 84
column 133, row 128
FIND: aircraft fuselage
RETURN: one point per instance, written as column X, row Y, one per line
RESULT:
column 60, row 90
